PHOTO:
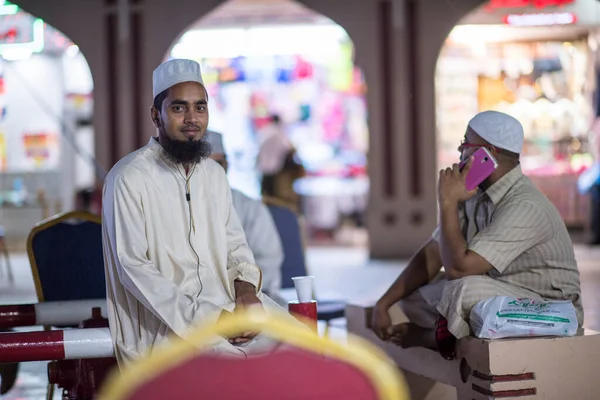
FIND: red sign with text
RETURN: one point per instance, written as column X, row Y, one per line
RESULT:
column 496, row 4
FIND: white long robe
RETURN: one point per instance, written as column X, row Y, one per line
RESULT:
column 171, row 263
column 263, row 238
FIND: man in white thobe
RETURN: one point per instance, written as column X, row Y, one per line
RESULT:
column 259, row 227
column 175, row 252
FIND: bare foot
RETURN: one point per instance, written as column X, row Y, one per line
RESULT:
column 408, row 335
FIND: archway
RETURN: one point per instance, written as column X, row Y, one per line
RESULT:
column 267, row 57
column 507, row 58
column 46, row 135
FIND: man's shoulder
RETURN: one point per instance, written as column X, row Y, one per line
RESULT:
column 527, row 200
column 245, row 201
column 213, row 169
column 132, row 167
column 526, row 193
column 240, row 195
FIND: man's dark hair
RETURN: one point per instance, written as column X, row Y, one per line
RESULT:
column 508, row 157
column 158, row 100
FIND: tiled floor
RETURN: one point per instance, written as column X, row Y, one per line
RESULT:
column 340, row 273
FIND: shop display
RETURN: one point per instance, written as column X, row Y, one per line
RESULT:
column 304, row 74
column 456, row 87
column 45, row 93
column 36, row 66
column 545, row 85
column 320, row 102
column 41, row 150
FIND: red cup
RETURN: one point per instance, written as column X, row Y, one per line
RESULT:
column 305, row 312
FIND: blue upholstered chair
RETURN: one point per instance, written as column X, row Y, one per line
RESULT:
column 288, row 227
column 67, row 263
column 65, row 252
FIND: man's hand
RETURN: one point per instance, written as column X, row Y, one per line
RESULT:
column 234, row 339
column 452, row 189
column 245, row 297
column 380, row 321
column 246, row 301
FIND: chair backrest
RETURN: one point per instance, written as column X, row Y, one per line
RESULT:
column 292, row 372
column 65, row 253
column 288, row 228
column 305, row 367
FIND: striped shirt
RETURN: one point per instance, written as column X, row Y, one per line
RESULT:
column 521, row 234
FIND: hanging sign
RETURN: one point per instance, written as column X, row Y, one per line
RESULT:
column 38, row 147
column 16, row 29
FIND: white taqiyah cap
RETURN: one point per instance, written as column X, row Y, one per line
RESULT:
column 499, row 129
column 216, row 142
column 175, row 71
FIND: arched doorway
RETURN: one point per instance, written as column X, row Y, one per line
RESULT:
column 534, row 60
column 277, row 57
column 46, row 135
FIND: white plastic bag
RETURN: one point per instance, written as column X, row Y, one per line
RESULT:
column 502, row 316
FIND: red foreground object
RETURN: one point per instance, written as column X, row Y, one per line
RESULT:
column 32, row 346
column 54, row 313
column 307, row 312
column 79, row 377
column 17, row 315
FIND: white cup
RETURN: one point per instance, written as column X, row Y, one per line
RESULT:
column 304, row 288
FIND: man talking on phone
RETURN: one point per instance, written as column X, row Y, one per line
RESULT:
column 504, row 238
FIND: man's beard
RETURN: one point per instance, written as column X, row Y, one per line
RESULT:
column 185, row 151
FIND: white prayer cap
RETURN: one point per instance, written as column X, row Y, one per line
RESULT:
column 216, row 142
column 175, row 71
column 499, row 129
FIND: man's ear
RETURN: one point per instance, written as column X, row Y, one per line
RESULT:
column 155, row 115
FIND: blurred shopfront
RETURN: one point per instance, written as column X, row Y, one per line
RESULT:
column 46, row 136
column 535, row 60
column 284, row 59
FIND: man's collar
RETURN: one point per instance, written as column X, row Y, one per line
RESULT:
column 499, row 188
column 153, row 142
column 156, row 147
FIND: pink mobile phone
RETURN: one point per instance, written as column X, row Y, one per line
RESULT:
column 483, row 166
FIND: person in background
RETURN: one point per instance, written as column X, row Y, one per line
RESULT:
column 278, row 163
column 89, row 200
column 594, row 188
column 274, row 147
column 83, row 200
column 503, row 239
column 259, row 227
